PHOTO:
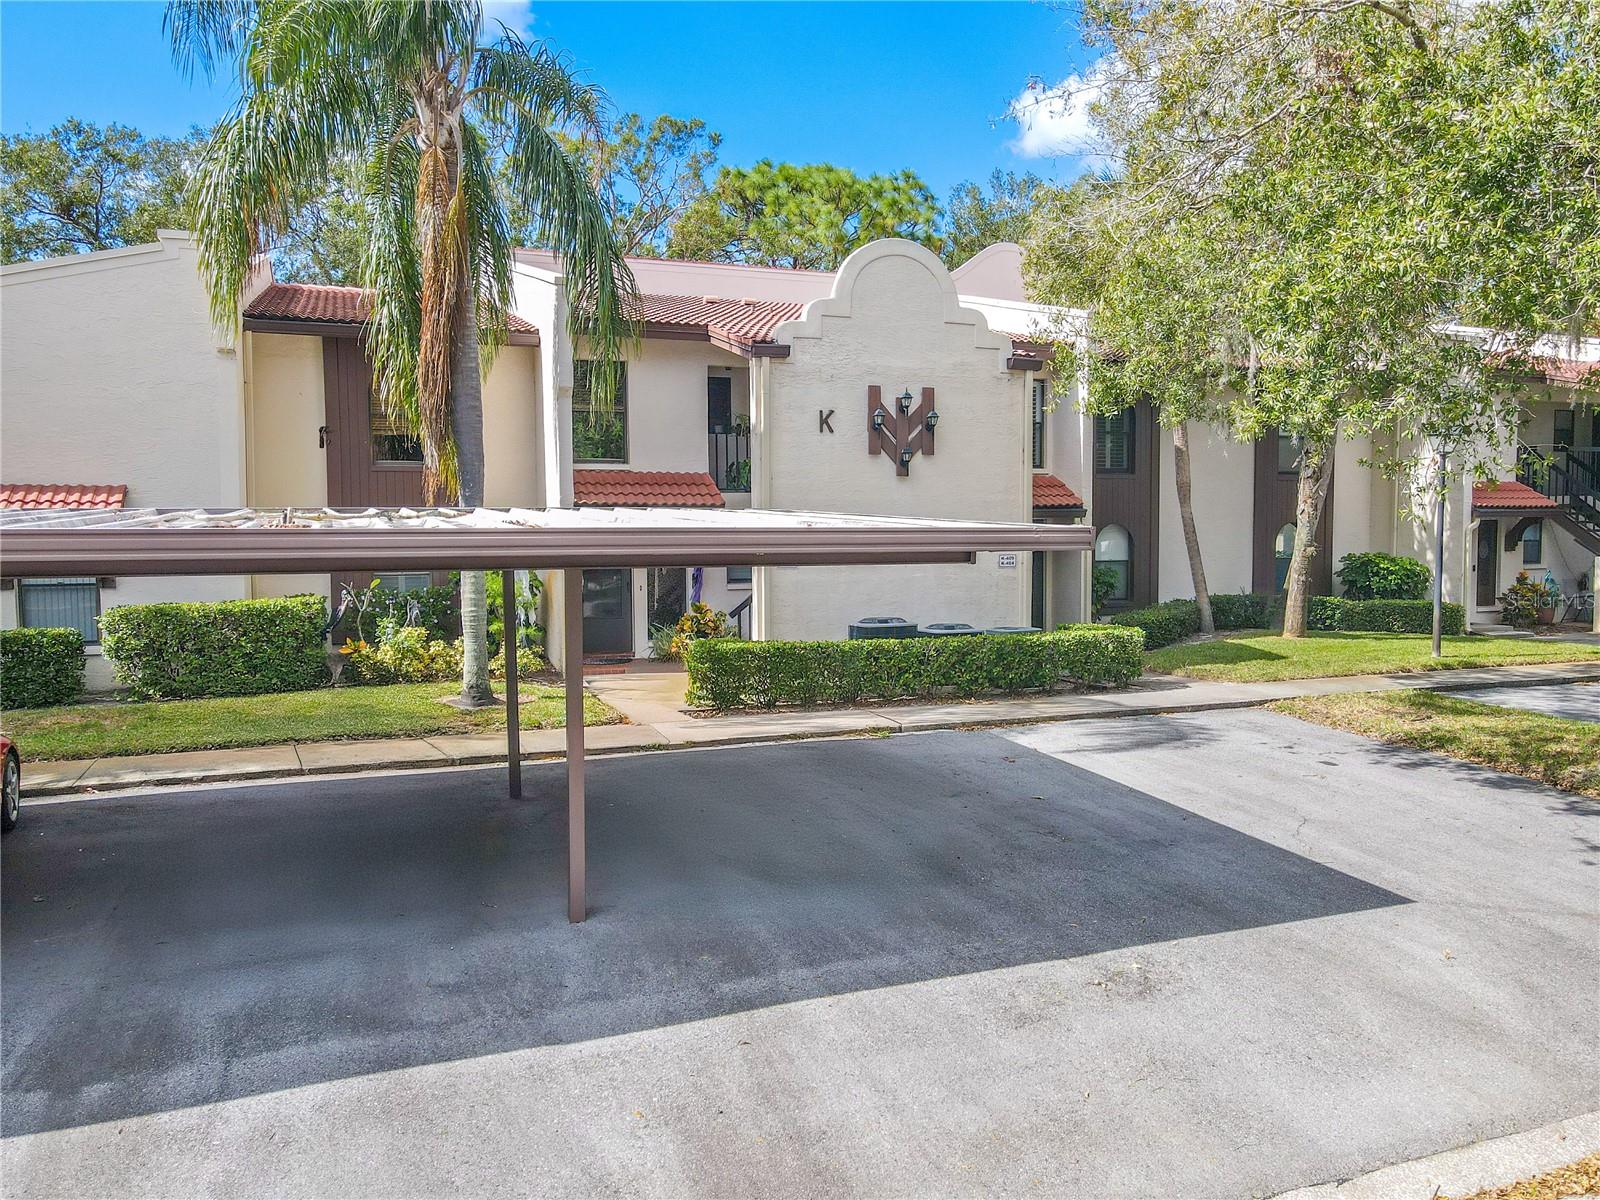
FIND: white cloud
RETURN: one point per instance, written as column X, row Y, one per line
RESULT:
column 515, row 15
column 1054, row 121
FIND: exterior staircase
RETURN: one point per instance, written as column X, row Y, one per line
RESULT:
column 1570, row 477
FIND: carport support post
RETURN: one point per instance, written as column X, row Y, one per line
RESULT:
column 577, row 851
column 510, row 632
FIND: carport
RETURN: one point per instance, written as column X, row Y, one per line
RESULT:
column 142, row 542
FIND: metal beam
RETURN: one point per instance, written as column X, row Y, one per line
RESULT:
column 577, row 848
column 508, row 626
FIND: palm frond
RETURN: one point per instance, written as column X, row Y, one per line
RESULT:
column 204, row 31
column 489, row 245
column 600, row 290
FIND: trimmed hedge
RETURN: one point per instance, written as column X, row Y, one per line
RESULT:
column 728, row 673
column 1243, row 610
column 1382, row 616
column 1164, row 623
column 226, row 648
column 39, row 667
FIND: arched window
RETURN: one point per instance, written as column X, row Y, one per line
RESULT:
column 1282, row 555
column 1113, row 549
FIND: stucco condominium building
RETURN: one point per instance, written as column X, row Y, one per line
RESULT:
column 890, row 387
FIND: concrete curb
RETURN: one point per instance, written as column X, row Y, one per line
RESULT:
column 1461, row 1172
column 122, row 774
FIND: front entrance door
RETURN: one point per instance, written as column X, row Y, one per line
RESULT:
column 608, row 612
column 1487, row 563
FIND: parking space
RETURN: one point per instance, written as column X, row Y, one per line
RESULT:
column 1223, row 953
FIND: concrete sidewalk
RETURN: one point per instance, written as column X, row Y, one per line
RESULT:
column 658, row 717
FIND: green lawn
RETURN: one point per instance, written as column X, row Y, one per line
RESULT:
column 1256, row 657
column 398, row 710
column 1565, row 754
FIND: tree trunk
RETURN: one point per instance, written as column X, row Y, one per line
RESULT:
column 466, row 428
column 1191, row 538
column 1316, row 472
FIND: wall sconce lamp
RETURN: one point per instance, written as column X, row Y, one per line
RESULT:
column 904, row 400
column 877, row 418
column 905, row 458
column 931, row 419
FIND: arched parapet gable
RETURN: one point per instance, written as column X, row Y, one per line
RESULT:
column 901, row 278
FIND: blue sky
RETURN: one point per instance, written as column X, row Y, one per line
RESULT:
column 870, row 86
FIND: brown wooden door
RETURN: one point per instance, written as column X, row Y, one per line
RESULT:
column 362, row 469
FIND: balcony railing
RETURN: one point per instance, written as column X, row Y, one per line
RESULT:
column 729, row 455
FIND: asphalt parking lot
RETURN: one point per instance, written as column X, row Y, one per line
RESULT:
column 1574, row 701
column 1222, row 954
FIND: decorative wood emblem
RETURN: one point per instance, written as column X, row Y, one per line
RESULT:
column 899, row 430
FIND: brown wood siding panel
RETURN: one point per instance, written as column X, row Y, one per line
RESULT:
column 1132, row 500
column 1276, row 501
column 355, row 478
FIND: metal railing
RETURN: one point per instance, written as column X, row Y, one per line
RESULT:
column 729, row 456
column 1570, row 476
column 740, row 616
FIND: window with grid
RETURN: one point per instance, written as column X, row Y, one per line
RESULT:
column 1113, row 442
column 1533, row 545
column 60, row 604
column 598, row 434
column 1041, row 400
column 392, row 441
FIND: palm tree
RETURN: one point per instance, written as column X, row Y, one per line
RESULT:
column 408, row 90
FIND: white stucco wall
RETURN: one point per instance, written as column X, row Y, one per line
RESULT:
column 511, row 429
column 894, row 320
column 1222, row 492
column 111, row 372
column 667, row 403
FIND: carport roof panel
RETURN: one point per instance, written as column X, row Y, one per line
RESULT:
column 275, row 541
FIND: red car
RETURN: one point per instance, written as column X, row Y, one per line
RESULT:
column 12, row 785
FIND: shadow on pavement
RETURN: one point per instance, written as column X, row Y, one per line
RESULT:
column 181, row 948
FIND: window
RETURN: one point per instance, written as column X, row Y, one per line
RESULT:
column 598, row 434
column 1566, row 432
column 1282, row 556
column 1113, row 442
column 391, row 440
column 1113, row 549
column 1041, row 400
column 60, row 604
column 738, row 576
column 404, row 581
column 1533, row 544
column 1288, row 454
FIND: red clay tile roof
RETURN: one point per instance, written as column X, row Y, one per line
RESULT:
column 1508, row 494
column 1568, row 372
column 62, row 495
column 644, row 489
column 1050, row 492
column 734, row 324
column 328, row 304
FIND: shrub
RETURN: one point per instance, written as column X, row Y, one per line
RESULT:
column 435, row 609
column 406, row 655
column 1103, row 585
column 1163, row 623
column 1242, row 610
column 729, row 673
column 1520, row 605
column 1375, row 576
column 40, row 667
column 1382, row 616
column 229, row 648
column 701, row 621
